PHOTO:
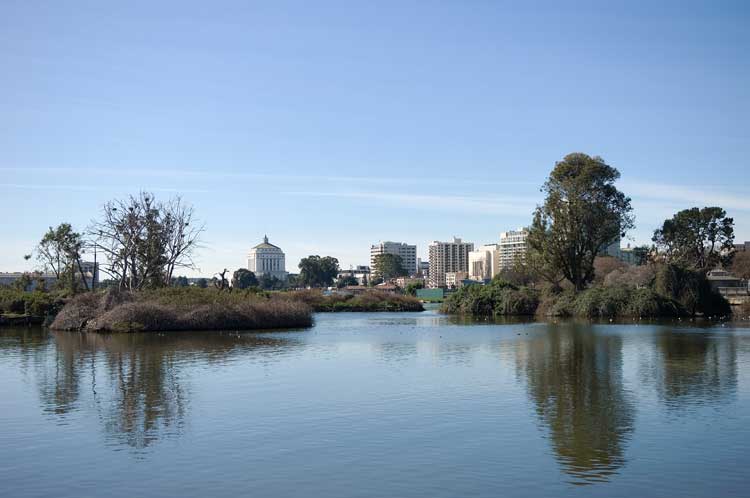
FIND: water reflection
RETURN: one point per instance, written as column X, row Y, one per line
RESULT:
column 694, row 368
column 583, row 383
column 138, row 383
column 574, row 378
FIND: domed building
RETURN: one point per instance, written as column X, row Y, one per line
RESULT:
column 267, row 259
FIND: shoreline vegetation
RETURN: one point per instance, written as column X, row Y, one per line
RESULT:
column 181, row 309
column 566, row 268
column 503, row 299
column 655, row 290
column 372, row 301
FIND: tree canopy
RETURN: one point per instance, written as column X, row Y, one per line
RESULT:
column 60, row 251
column 243, row 279
column 388, row 266
column 583, row 212
column 346, row 281
column 697, row 238
column 316, row 271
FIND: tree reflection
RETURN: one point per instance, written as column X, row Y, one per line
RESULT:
column 574, row 377
column 139, row 382
column 694, row 368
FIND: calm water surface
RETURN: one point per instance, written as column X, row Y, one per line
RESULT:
column 378, row 405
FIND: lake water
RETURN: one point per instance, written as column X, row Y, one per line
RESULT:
column 378, row 405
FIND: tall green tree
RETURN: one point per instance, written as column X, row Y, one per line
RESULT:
column 388, row 266
column 316, row 271
column 244, row 278
column 583, row 212
column 697, row 238
column 60, row 251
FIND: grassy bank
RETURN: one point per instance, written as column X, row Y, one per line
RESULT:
column 367, row 301
column 180, row 309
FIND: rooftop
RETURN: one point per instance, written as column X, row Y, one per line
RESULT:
column 266, row 245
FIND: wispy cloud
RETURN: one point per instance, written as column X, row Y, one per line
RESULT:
column 688, row 196
column 218, row 174
column 496, row 205
column 94, row 188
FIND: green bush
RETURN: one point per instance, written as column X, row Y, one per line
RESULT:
column 691, row 289
column 371, row 300
column 504, row 299
column 32, row 303
column 495, row 299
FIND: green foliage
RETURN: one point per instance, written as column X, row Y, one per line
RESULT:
column 497, row 298
column 180, row 282
column 60, row 251
column 691, row 289
column 244, row 278
column 504, row 299
column 388, row 266
column 36, row 304
column 202, row 283
column 269, row 282
column 370, row 300
column 411, row 289
column 583, row 212
column 696, row 238
column 23, row 283
column 346, row 281
column 316, row 271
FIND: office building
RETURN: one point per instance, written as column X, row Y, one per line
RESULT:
column 448, row 257
column 512, row 246
column 407, row 253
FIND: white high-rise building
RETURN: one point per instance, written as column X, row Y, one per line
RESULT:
column 483, row 262
column 512, row 246
column 407, row 252
column 448, row 257
column 267, row 259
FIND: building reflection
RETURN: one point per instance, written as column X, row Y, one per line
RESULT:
column 574, row 379
column 139, row 384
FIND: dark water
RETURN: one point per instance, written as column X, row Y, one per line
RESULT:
column 378, row 405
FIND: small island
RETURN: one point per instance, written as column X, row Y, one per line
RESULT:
column 193, row 308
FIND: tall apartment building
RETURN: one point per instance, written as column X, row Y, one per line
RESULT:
column 448, row 257
column 512, row 245
column 408, row 254
column 483, row 262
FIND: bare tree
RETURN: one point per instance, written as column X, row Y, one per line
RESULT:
column 145, row 240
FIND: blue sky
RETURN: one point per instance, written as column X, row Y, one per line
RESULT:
column 332, row 125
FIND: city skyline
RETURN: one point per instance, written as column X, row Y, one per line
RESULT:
column 396, row 122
